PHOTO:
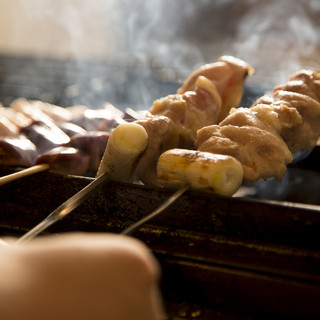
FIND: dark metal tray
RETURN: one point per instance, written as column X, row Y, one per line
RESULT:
column 235, row 258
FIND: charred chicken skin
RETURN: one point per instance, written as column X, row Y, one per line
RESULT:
column 264, row 136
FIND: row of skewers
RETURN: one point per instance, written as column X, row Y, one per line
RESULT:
column 197, row 136
column 200, row 137
column 71, row 140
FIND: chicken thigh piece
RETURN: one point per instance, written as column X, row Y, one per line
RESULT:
column 264, row 137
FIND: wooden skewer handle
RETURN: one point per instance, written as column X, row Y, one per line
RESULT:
column 23, row 173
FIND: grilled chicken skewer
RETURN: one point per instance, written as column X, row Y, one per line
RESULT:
column 287, row 119
column 203, row 99
column 265, row 136
column 189, row 169
column 197, row 108
column 225, row 176
column 172, row 121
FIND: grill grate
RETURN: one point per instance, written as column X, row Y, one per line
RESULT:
column 125, row 83
column 66, row 82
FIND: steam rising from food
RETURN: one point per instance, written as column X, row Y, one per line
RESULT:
column 171, row 37
column 275, row 37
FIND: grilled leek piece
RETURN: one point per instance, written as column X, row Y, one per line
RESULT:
column 125, row 145
column 216, row 173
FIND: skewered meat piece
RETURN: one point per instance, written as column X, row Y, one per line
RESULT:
column 56, row 113
column 71, row 129
column 104, row 119
column 264, row 136
column 16, row 117
column 7, row 128
column 163, row 134
column 173, row 121
column 33, row 114
column 45, row 135
column 66, row 160
column 227, row 75
column 17, row 151
column 306, row 82
column 261, row 153
column 301, row 93
column 191, row 110
column 92, row 144
column 206, row 96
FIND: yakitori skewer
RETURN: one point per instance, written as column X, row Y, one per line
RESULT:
column 80, row 156
column 222, row 172
column 266, row 136
column 121, row 149
column 278, row 124
column 46, row 133
column 172, row 122
column 190, row 169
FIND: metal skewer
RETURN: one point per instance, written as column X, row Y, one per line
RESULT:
column 76, row 200
column 68, row 206
column 156, row 212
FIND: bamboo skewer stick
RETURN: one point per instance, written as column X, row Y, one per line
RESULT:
column 24, row 173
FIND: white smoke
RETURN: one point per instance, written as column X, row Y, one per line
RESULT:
column 275, row 37
column 279, row 37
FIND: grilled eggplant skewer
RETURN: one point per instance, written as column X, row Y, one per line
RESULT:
column 122, row 147
column 70, row 140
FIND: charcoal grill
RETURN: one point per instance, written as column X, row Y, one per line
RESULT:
column 255, row 256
